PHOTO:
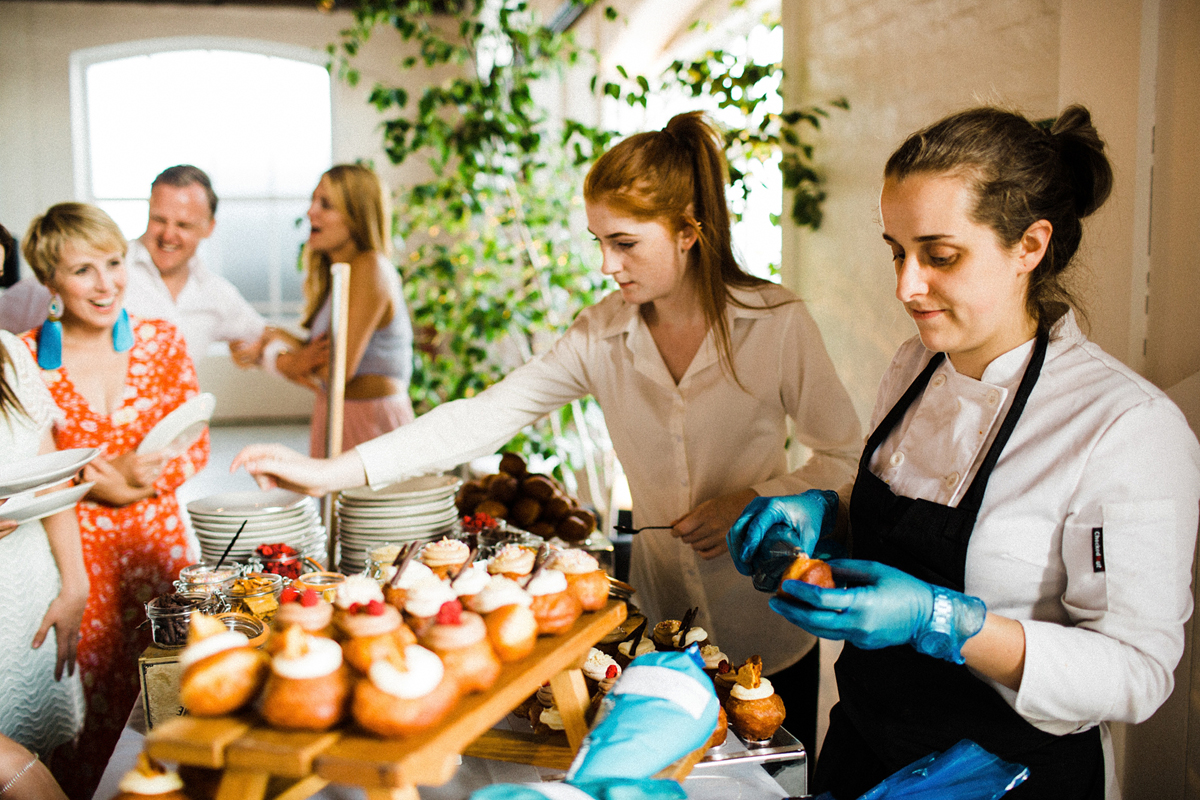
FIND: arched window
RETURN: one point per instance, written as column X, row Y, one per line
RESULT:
column 256, row 116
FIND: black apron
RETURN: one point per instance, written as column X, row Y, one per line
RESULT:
column 897, row 705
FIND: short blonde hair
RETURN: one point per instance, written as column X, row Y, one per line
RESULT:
column 77, row 224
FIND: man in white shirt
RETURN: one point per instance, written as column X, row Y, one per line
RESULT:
column 167, row 280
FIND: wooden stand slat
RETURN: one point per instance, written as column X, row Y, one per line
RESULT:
column 289, row 754
column 521, row 748
column 390, row 769
column 194, row 740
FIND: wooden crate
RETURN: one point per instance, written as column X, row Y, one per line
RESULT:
column 249, row 752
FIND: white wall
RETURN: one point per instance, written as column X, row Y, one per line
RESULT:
column 36, row 164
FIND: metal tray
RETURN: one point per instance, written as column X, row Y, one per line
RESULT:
column 782, row 747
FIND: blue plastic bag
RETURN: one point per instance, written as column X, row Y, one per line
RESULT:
column 964, row 772
column 607, row 789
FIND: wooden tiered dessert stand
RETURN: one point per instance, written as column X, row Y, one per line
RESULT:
column 250, row 754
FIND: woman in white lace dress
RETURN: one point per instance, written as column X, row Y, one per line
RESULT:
column 43, row 584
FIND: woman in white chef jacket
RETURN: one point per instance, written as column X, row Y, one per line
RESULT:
column 1025, row 511
column 697, row 366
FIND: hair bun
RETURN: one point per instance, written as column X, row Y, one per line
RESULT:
column 1082, row 153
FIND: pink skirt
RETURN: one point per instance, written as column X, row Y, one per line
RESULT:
column 362, row 420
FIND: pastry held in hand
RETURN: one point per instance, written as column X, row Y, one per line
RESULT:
column 404, row 695
column 308, row 684
column 221, row 670
column 809, row 570
column 755, row 711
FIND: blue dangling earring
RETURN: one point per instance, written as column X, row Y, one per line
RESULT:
column 50, row 336
column 122, row 334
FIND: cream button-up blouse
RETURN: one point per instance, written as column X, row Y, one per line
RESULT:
column 679, row 445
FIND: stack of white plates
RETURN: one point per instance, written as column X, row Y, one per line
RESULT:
column 418, row 509
column 272, row 517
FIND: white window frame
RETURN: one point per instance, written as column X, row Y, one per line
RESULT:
column 81, row 60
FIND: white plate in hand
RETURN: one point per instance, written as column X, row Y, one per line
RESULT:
column 180, row 429
column 24, row 509
column 41, row 472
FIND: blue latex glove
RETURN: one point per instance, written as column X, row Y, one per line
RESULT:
column 770, row 530
column 661, row 708
column 608, row 789
column 884, row 607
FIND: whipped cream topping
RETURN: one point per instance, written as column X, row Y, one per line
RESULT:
column 765, row 689
column 414, row 573
column 498, row 592
column 548, row 581
column 357, row 589
column 693, row 635
column 363, row 624
column 574, row 562
column 596, row 665
column 467, row 632
column 211, row 646
column 712, row 656
column 422, row 673
column 310, row 618
column 512, row 558
column 137, row 782
column 644, row 646
column 552, row 719
column 425, row 598
column 445, row 552
column 471, row 580
column 323, row 658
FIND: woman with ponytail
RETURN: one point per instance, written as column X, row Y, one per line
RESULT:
column 697, row 365
column 1024, row 516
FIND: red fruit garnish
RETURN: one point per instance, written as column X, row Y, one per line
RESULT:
column 288, row 595
column 450, row 613
column 354, row 607
column 723, row 667
column 375, row 608
column 612, row 671
column 309, row 598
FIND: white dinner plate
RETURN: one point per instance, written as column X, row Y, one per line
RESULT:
column 419, row 489
column 180, row 429
column 255, row 524
column 42, row 472
column 248, row 504
column 24, row 509
column 396, row 512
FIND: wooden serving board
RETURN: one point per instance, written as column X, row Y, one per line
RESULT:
column 250, row 752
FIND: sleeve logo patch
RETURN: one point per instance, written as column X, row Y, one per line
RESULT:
column 1097, row 549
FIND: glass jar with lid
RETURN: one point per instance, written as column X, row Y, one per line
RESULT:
column 169, row 615
column 323, row 583
column 206, row 578
column 255, row 593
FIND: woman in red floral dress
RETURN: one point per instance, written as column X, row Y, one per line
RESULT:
column 113, row 378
